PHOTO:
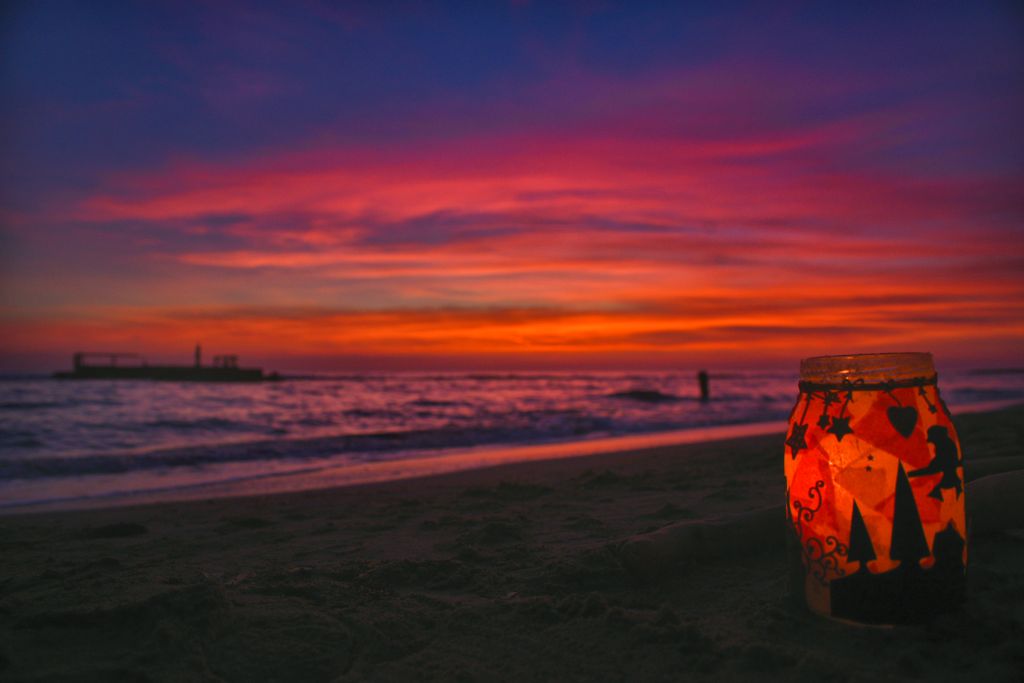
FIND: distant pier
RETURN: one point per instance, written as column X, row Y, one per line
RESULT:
column 107, row 365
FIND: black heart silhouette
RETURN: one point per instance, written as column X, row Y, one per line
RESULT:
column 904, row 419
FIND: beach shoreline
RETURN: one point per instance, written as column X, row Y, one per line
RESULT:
column 506, row 572
column 319, row 476
column 423, row 466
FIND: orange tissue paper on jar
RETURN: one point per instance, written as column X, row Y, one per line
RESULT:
column 874, row 490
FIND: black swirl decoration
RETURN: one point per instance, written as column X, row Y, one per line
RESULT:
column 803, row 513
column 820, row 557
column 823, row 557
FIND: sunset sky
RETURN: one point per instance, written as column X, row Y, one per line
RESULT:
column 336, row 186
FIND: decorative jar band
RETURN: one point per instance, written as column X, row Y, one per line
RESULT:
column 861, row 385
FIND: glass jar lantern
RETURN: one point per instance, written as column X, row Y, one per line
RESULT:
column 874, row 490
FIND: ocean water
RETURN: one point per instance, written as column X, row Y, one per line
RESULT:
column 68, row 441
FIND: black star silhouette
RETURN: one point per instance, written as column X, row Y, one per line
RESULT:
column 840, row 427
column 823, row 420
column 796, row 439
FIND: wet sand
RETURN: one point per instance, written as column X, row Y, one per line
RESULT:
column 507, row 573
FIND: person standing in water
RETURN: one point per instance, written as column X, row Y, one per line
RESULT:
column 702, row 380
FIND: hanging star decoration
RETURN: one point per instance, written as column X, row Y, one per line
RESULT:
column 924, row 394
column 796, row 439
column 840, row 427
column 829, row 398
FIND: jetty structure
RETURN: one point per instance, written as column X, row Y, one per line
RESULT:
column 93, row 365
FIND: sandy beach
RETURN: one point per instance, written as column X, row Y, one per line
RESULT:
column 507, row 573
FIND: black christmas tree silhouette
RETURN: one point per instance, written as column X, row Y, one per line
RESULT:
column 861, row 550
column 946, row 460
column 908, row 542
column 862, row 595
column 909, row 592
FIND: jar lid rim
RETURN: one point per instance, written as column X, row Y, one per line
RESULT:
column 869, row 366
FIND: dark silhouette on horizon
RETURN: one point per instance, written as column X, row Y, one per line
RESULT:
column 703, row 381
column 224, row 369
